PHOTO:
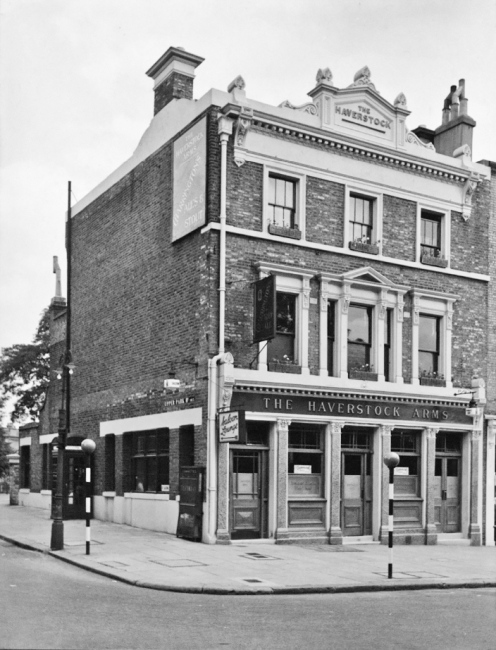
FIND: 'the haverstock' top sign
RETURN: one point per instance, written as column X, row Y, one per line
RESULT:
column 188, row 212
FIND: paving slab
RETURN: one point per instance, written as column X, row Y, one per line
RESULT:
column 154, row 560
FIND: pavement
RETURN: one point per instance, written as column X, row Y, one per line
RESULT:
column 155, row 560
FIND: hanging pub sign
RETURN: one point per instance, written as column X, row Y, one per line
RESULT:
column 232, row 426
column 264, row 309
column 190, row 155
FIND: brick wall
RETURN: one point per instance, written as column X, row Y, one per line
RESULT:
column 176, row 86
column 399, row 228
column 324, row 211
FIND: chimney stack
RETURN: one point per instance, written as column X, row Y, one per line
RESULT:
column 173, row 75
column 457, row 127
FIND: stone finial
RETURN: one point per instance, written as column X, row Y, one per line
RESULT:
column 324, row 76
column 362, row 78
column 238, row 84
column 400, row 101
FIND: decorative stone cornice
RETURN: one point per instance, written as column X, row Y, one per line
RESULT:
column 468, row 191
column 424, row 168
column 309, row 107
column 411, row 138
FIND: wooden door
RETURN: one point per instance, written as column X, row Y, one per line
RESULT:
column 356, row 494
column 248, row 494
column 447, row 494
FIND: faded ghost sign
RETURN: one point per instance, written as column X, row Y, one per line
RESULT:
column 188, row 212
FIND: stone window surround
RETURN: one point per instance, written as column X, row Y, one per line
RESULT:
column 290, row 172
column 445, row 219
column 355, row 287
column 433, row 303
column 297, row 281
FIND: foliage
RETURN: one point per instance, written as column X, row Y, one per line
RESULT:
column 24, row 373
column 5, row 449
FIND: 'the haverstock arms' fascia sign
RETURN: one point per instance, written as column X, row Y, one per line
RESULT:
column 350, row 407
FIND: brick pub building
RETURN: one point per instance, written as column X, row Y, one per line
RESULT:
column 371, row 245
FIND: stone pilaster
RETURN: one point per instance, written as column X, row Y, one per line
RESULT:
column 335, row 532
column 282, row 478
column 430, row 495
column 475, row 530
column 490, row 480
column 223, row 534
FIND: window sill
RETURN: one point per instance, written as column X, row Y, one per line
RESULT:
column 372, row 249
column 428, row 260
column 46, row 492
column 432, row 381
column 282, row 231
column 147, row 496
column 24, row 491
column 109, row 493
column 275, row 366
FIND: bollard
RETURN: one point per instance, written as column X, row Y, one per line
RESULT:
column 391, row 461
column 88, row 446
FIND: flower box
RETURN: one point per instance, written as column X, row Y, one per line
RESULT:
column 434, row 261
column 283, row 231
column 432, row 381
column 364, row 247
column 364, row 375
column 278, row 366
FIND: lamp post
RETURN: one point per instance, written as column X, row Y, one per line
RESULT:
column 88, row 446
column 65, row 370
column 391, row 461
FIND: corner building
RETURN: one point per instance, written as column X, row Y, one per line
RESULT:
column 378, row 241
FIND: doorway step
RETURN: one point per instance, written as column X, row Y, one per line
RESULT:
column 453, row 538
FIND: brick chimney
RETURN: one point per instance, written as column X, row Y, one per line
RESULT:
column 457, row 127
column 173, row 75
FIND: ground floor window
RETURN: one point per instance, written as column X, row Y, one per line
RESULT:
column 150, row 461
column 407, row 475
column 25, row 468
column 305, row 461
column 110, row 462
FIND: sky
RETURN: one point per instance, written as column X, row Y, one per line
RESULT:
column 75, row 98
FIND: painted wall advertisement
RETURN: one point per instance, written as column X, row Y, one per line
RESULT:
column 190, row 155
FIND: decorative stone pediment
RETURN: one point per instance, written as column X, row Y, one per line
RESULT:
column 360, row 111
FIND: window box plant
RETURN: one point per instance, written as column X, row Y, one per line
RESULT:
column 284, row 231
column 432, row 379
column 286, row 364
column 364, row 373
column 433, row 260
column 364, row 245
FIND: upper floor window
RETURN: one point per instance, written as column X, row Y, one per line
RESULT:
column 363, row 222
column 359, row 337
column 361, row 218
column 282, row 201
column 428, row 345
column 433, row 246
column 282, row 347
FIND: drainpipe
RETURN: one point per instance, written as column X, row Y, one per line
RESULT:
column 225, row 130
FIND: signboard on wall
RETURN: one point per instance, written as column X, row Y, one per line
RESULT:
column 190, row 156
column 232, row 426
column 264, row 309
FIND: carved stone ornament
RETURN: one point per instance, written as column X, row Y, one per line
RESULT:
column 401, row 306
column 468, row 192
column 431, row 433
column 306, row 108
column 238, row 83
column 413, row 139
column 283, row 424
column 324, row 76
column 362, row 78
column 386, row 430
column 336, row 428
column 400, row 101
column 243, row 124
column 476, row 435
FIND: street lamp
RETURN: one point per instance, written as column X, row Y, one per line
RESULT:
column 88, row 446
column 66, row 368
column 391, row 461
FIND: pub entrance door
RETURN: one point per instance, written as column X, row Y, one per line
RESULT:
column 447, row 494
column 248, row 494
column 356, row 493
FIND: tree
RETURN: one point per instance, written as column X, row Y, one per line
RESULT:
column 5, row 449
column 24, row 373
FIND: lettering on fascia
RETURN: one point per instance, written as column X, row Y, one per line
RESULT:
column 362, row 115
